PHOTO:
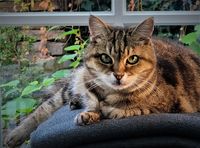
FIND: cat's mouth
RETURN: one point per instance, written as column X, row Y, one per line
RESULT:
column 119, row 85
column 115, row 84
column 118, row 82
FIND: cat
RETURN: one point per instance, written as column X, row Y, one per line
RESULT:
column 126, row 72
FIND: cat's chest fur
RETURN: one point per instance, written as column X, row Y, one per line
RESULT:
column 114, row 102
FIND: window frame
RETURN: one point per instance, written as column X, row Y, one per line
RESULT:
column 117, row 16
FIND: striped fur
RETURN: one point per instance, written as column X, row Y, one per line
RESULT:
column 166, row 79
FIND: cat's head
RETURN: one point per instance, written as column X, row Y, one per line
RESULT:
column 120, row 57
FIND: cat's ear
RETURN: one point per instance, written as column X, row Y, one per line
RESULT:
column 144, row 29
column 97, row 28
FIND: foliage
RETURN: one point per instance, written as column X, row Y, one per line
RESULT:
column 91, row 5
column 57, row 5
column 163, row 5
column 12, row 49
column 23, row 6
column 50, row 5
column 24, row 103
column 75, row 51
column 193, row 39
column 60, row 74
column 27, row 5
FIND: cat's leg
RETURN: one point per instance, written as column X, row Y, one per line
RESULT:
column 113, row 112
column 91, row 114
column 22, row 132
column 186, row 106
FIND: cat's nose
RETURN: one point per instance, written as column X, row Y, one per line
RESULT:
column 118, row 76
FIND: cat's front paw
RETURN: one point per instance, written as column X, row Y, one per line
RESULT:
column 116, row 113
column 86, row 118
column 15, row 138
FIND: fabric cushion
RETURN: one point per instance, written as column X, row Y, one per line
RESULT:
column 155, row 130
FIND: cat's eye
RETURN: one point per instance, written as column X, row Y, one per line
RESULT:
column 106, row 59
column 133, row 59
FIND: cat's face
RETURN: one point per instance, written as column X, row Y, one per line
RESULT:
column 120, row 57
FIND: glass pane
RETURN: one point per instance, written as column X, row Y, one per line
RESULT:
column 162, row 5
column 54, row 5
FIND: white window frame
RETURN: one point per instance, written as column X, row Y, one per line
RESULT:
column 118, row 16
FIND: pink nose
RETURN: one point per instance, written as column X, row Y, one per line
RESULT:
column 118, row 76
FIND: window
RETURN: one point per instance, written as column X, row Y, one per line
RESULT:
column 162, row 5
column 54, row 5
column 118, row 15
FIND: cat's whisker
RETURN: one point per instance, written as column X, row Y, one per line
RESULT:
column 155, row 89
column 85, row 82
column 94, row 84
column 92, row 87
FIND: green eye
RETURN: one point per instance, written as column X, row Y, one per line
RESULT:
column 106, row 59
column 133, row 59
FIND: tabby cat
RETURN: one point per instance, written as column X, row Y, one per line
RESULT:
column 126, row 72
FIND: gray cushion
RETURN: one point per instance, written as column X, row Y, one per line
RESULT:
column 156, row 130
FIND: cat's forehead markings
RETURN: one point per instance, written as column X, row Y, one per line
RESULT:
column 119, row 41
column 126, row 50
column 134, row 50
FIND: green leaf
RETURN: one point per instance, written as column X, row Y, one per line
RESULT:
column 25, row 105
column 85, row 43
column 3, row 113
column 30, row 88
column 60, row 74
column 66, row 58
column 34, row 83
column 195, row 46
column 61, row 36
column 11, row 83
column 189, row 38
column 73, row 47
column 52, row 28
column 11, row 91
column 19, row 105
column 48, row 81
column 74, row 64
column 10, row 108
column 197, row 28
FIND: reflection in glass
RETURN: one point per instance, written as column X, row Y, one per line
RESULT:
column 162, row 5
column 54, row 5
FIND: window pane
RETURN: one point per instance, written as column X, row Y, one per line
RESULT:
column 162, row 5
column 54, row 5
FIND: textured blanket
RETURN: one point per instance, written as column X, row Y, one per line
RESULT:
column 156, row 130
